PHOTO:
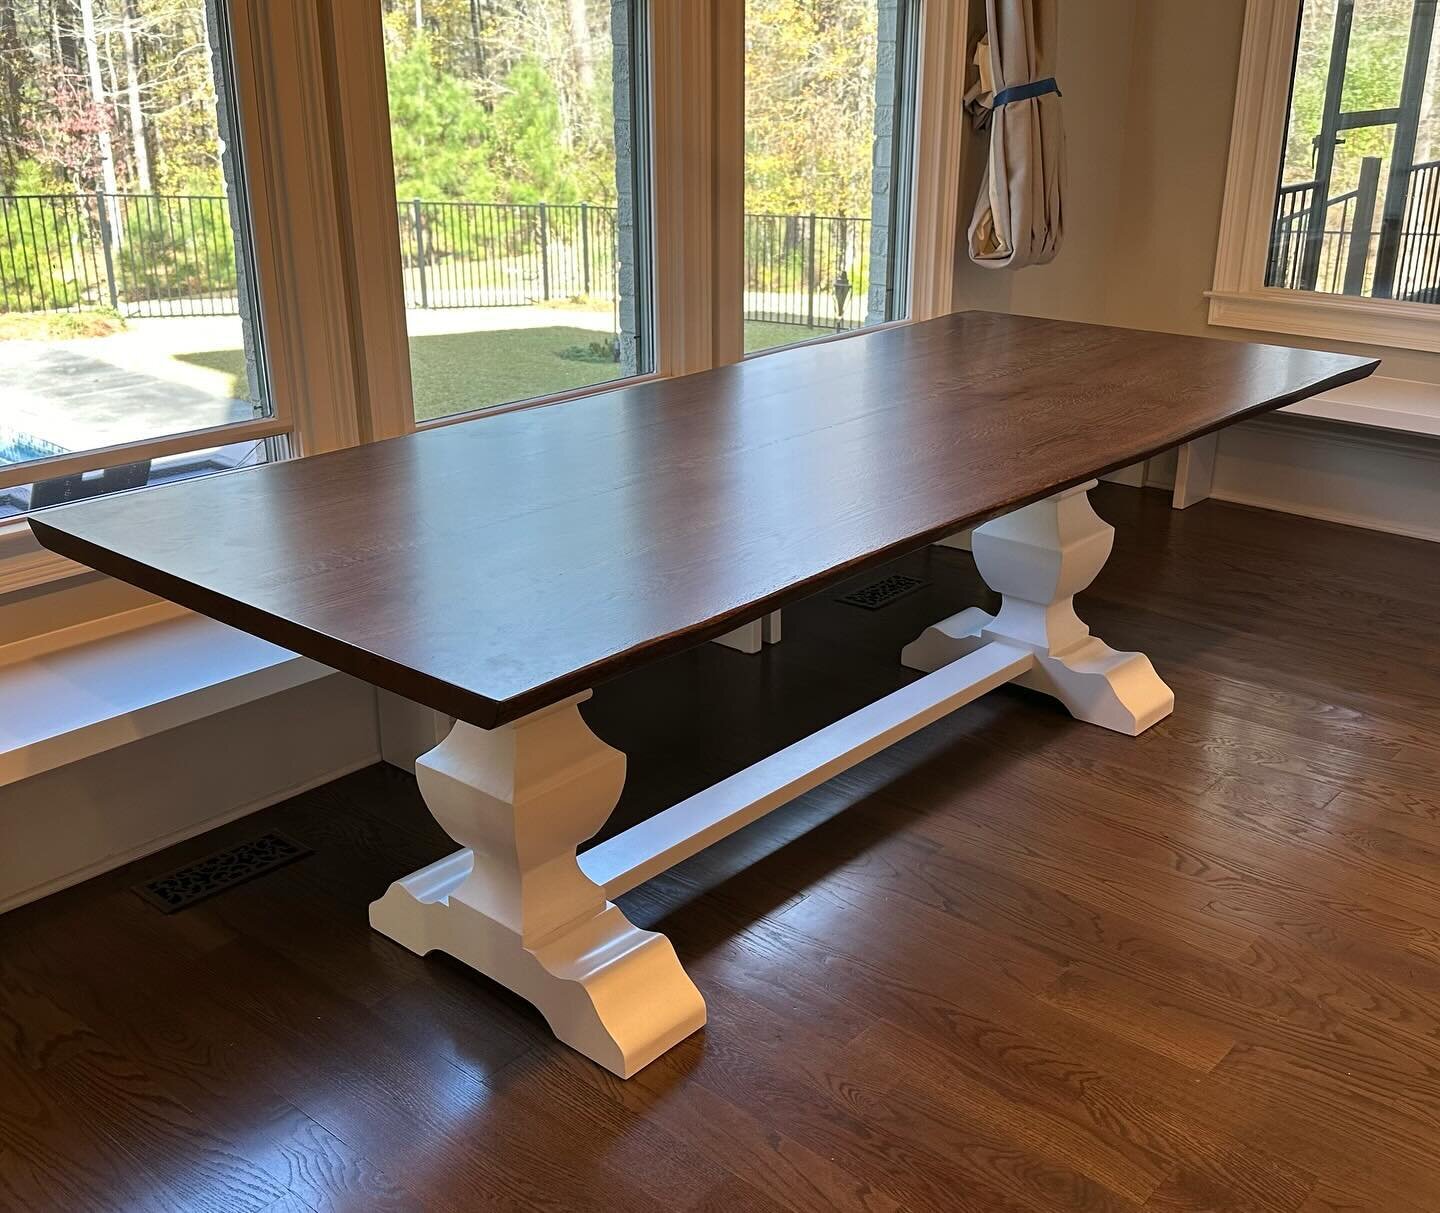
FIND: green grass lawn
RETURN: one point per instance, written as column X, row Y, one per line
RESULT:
column 455, row 372
column 762, row 334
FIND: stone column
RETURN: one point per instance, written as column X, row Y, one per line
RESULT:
column 228, row 139
column 883, row 165
column 627, row 271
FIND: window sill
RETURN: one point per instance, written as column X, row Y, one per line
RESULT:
column 828, row 337
column 24, row 563
column 1383, row 322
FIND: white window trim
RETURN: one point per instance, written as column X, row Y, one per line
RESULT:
column 1240, row 297
column 301, row 259
column 307, row 341
column 148, row 448
column 697, row 80
column 939, row 133
column 354, row 57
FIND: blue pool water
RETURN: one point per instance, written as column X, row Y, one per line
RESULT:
column 16, row 446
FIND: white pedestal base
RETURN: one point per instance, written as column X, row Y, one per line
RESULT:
column 515, row 905
column 1038, row 558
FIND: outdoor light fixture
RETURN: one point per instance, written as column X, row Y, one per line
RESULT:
column 841, row 289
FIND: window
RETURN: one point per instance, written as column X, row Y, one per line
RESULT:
column 828, row 124
column 518, row 138
column 1358, row 206
column 129, row 347
column 226, row 310
column 1331, row 225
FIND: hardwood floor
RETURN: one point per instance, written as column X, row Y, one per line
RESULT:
column 1014, row 963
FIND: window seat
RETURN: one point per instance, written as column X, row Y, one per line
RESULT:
column 80, row 691
column 1404, row 406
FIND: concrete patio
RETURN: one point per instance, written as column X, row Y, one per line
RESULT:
column 172, row 375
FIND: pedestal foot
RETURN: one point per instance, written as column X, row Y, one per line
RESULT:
column 515, row 905
column 1039, row 558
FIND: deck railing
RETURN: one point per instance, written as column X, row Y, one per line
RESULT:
column 1417, row 274
column 1343, row 254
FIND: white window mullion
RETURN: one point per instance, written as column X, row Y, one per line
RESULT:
column 939, row 131
column 375, row 293
column 697, row 78
column 298, row 246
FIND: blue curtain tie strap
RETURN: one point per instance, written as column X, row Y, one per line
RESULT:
column 1024, row 92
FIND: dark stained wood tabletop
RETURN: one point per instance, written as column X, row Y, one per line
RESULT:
column 492, row 567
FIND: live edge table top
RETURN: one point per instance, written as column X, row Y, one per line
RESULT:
column 493, row 567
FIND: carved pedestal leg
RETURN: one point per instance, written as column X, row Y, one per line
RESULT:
column 515, row 904
column 1038, row 558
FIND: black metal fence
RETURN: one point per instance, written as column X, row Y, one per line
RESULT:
column 807, row 269
column 168, row 255
column 1291, row 255
column 1417, row 275
column 496, row 254
column 141, row 254
column 1347, row 250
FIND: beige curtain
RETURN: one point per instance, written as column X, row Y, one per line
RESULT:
column 1017, row 215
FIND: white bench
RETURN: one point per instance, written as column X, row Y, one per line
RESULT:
column 1399, row 405
column 80, row 691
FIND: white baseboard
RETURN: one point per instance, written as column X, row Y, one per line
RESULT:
column 150, row 846
column 1388, row 526
column 79, row 820
column 1356, row 476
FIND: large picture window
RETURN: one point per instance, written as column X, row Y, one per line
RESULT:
column 1331, row 221
column 1358, row 206
column 129, row 350
column 518, row 140
column 829, row 92
column 169, row 307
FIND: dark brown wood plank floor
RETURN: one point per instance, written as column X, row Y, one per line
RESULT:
column 1014, row 963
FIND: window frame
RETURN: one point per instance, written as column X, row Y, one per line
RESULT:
column 693, row 59
column 297, row 253
column 930, row 63
column 390, row 400
column 1239, row 297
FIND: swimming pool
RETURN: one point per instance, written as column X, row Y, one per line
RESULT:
column 16, row 446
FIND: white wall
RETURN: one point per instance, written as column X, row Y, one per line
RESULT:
column 76, row 821
column 1093, row 71
column 1149, row 89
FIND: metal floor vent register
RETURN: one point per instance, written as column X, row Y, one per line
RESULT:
column 224, row 870
column 883, row 592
